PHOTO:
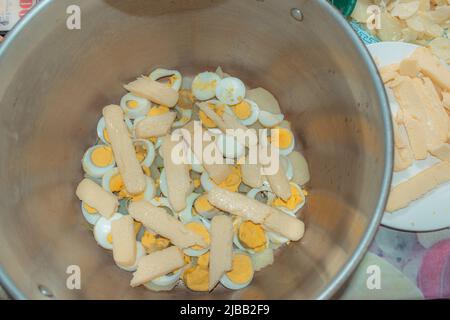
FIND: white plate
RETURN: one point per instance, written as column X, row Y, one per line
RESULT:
column 431, row 212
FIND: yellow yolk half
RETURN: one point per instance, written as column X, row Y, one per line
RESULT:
column 109, row 238
column 201, row 230
column 294, row 200
column 252, row 236
column 186, row 99
column 197, row 183
column 233, row 181
column 162, row 243
column 196, row 278
column 106, row 135
column 285, row 139
column 148, row 241
column 157, row 111
column 242, row 269
column 242, row 110
column 89, row 209
column 206, row 121
column 141, row 152
column 116, row 183
column 154, row 140
column 203, row 260
column 102, row 156
column 202, row 204
column 132, row 104
column 147, row 171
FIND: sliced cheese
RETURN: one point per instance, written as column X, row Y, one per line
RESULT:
column 154, row 91
column 157, row 264
column 161, row 222
column 124, row 241
column 179, row 184
column 98, row 198
column 406, row 192
column 124, row 153
column 221, row 250
column 155, row 126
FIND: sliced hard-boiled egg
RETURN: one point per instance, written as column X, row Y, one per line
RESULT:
column 262, row 259
column 285, row 142
column 140, row 252
column 112, row 181
column 90, row 214
column 152, row 242
column 204, row 85
column 196, row 278
column 161, row 202
column 200, row 227
column 229, row 146
column 270, row 120
column 231, row 183
column 183, row 117
column 134, row 106
column 166, row 282
column 98, row 160
column 246, row 111
column 217, row 107
column 204, row 208
column 230, row 91
column 174, row 77
column 287, row 166
column 102, row 231
column 145, row 151
column 295, row 202
column 186, row 99
column 241, row 273
column 250, row 237
column 187, row 215
column 263, row 194
column 103, row 134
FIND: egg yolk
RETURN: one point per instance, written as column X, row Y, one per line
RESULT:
column 197, row 278
column 203, row 260
column 186, row 99
column 242, row 269
column 162, row 243
column 154, row 140
column 233, row 181
column 89, row 209
column 242, row 110
column 197, row 183
column 137, row 227
column 148, row 241
column 187, row 259
column 116, row 183
column 106, row 135
column 202, row 204
column 132, row 104
column 284, row 139
column 147, row 171
column 252, row 236
column 109, row 238
column 201, row 230
column 102, row 156
column 141, row 152
column 205, row 85
column 294, row 200
column 206, row 121
column 157, row 111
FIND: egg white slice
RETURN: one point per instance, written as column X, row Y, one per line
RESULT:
column 204, row 85
column 298, row 206
column 193, row 252
column 186, row 215
column 165, row 282
column 148, row 145
column 91, row 218
column 206, row 182
column 226, row 281
column 270, row 120
column 141, row 109
column 140, row 252
column 229, row 147
column 102, row 229
column 230, row 90
column 90, row 168
column 162, row 73
column 101, row 129
column 287, row 165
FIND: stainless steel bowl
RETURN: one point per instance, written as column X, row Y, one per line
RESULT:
column 55, row 81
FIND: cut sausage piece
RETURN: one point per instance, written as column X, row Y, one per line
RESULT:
column 124, row 241
column 124, row 152
column 251, row 209
column 161, row 222
column 406, row 192
column 238, row 204
column 221, row 250
column 279, row 183
column 217, row 172
column 177, row 175
column 98, row 198
column 251, row 174
column 154, row 91
column 157, row 264
column 155, row 126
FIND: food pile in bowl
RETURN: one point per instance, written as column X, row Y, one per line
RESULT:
column 194, row 181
